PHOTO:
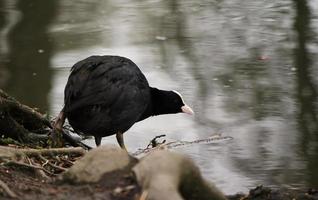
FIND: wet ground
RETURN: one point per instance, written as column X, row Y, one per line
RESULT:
column 119, row 187
column 248, row 69
column 28, row 187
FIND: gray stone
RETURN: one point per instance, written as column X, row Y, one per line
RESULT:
column 172, row 176
column 97, row 162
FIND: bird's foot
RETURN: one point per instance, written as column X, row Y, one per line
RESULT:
column 56, row 135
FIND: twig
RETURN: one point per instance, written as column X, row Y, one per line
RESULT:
column 47, row 162
column 144, row 195
column 29, row 160
column 5, row 187
column 154, row 143
column 30, row 166
column 174, row 144
column 67, row 161
column 57, row 167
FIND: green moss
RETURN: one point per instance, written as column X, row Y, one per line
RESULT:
column 7, row 141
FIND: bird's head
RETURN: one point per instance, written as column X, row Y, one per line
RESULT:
column 180, row 104
column 168, row 102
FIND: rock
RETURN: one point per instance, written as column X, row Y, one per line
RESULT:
column 98, row 162
column 171, row 176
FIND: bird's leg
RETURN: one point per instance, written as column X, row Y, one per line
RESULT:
column 60, row 119
column 97, row 140
column 120, row 140
column 56, row 138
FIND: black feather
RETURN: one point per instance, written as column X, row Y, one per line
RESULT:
column 107, row 94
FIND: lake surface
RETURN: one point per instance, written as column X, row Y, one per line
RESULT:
column 248, row 69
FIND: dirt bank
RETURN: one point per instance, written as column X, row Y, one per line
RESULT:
column 24, row 184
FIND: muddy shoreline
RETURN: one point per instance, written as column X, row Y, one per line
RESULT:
column 120, row 185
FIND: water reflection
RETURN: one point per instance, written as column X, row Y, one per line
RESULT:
column 306, row 91
column 236, row 62
column 3, row 70
column 178, row 58
column 30, row 49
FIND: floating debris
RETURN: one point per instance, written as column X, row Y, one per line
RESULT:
column 161, row 38
column 293, row 69
column 263, row 58
column 155, row 145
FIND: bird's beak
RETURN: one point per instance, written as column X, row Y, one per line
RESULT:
column 187, row 109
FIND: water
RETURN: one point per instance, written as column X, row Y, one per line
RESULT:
column 248, row 69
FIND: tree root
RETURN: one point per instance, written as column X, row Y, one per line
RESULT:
column 76, row 151
column 49, row 161
column 29, row 117
column 30, row 166
column 7, row 190
column 19, row 121
column 31, row 128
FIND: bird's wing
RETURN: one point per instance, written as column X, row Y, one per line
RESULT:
column 105, row 81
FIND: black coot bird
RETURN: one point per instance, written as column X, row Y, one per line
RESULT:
column 106, row 95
